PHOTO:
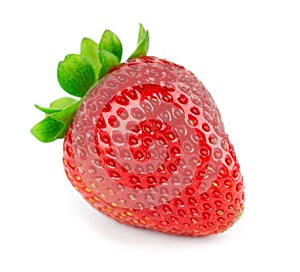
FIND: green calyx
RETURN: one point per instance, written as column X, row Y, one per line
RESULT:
column 77, row 74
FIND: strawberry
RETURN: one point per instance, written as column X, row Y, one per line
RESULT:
column 145, row 144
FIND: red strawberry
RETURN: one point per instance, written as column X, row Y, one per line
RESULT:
column 147, row 146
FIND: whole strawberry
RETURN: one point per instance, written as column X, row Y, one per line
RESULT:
column 145, row 144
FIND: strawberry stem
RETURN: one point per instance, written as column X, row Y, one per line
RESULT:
column 77, row 74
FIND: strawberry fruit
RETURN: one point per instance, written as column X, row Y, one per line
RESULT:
column 145, row 144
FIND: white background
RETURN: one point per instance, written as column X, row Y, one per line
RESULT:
column 247, row 53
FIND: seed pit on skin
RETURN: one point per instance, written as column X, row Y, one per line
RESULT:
column 206, row 215
column 213, row 139
column 131, row 93
column 192, row 120
column 239, row 187
column 134, row 180
column 228, row 196
column 181, row 130
column 177, row 113
column 195, row 110
column 137, row 113
column 117, row 137
column 182, row 213
column 122, row 113
column 205, row 127
column 133, row 140
column 122, row 100
column 228, row 160
column 218, row 153
column 113, row 121
column 190, row 191
column 182, row 99
column 114, row 174
column 151, row 180
column 206, row 206
column 227, row 183
column 166, row 116
column 175, row 151
column 218, row 203
column 138, row 155
column 204, row 151
column 178, row 203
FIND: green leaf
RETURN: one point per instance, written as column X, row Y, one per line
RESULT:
column 62, row 103
column 66, row 115
column 89, row 49
column 108, row 61
column 46, row 110
column 48, row 130
column 76, row 75
column 57, row 121
column 142, row 32
column 111, row 43
column 57, row 105
column 143, row 44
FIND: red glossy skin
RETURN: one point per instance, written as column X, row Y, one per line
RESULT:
column 148, row 148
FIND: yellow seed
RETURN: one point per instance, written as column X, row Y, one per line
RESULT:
column 164, row 200
column 164, row 223
column 219, row 212
column 149, row 197
column 96, row 198
column 165, row 115
column 87, row 189
column 171, row 136
column 191, row 122
column 114, row 204
column 177, row 113
column 194, row 220
column 140, row 206
column 209, row 168
column 122, row 201
column 180, row 131
column 196, row 231
column 215, row 184
column 129, row 213
column 103, row 195
column 69, row 176
column 210, row 224
column 187, row 147
column 78, row 178
column 135, row 221
column 148, row 129
column 94, row 185
column 132, row 196
column 142, row 221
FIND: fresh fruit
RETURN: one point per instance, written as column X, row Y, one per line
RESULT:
column 145, row 144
